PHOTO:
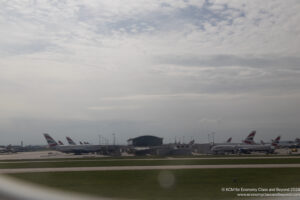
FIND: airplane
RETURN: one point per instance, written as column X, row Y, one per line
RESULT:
column 242, row 148
column 263, row 147
column 5, row 149
column 224, row 148
column 60, row 142
column 247, row 149
column 286, row 144
column 247, row 146
column 248, row 140
column 76, row 149
column 11, row 149
column 273, row 142
column 85, row 148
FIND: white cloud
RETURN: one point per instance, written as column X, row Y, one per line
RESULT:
column 60, row 57
column 126, row 107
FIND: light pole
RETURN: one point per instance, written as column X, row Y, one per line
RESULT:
column 114, row 139
column 213, row 137
column 208, row 138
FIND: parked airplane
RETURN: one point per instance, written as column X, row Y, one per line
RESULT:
column 286, row 144
column 247, row 146
column 247, row 149
column 248, row 140
column 273, row 142
column 224, row 148
column 242, row 148
column 76, row 149
column 85, row 148
column 5, row 149
column 60, row 142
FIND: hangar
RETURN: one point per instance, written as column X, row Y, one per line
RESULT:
column 145, row 141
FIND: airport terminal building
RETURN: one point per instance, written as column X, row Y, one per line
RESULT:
column 145, row 141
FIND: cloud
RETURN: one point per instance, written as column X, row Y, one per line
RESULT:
column 127, row 107
column 168, row 63
column 265, row 61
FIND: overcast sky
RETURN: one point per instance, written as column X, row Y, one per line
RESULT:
column 161, row 67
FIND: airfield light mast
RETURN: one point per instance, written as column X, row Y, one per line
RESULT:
column 213, row 137
column 114, row 139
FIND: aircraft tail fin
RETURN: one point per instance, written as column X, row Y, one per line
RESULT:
column 60, row 142
column 229, row 140
column 192, row 142
column 51, row 142
column 275, row 142
column 277, row 139
column 250, row 138
column 70, row 141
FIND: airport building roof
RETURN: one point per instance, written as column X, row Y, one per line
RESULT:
column 145, row 140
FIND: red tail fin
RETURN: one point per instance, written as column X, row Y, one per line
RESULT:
column 70, row 141
column 229, row 140
column 51, row 142
column 277, row 139
column 250, row 138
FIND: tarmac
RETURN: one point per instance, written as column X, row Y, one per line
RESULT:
column 164, row 167
column 43, row 155
column 48, row 155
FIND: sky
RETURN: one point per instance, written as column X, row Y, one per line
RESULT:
column 175, row 69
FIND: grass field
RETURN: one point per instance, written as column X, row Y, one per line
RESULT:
column 153, row 162
column 188, row 184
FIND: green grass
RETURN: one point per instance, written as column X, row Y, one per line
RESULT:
column 94, row 163
column 189, row 184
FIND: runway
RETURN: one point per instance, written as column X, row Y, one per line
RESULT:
column 44, row 155
column 48, row 156
column 123, row 168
